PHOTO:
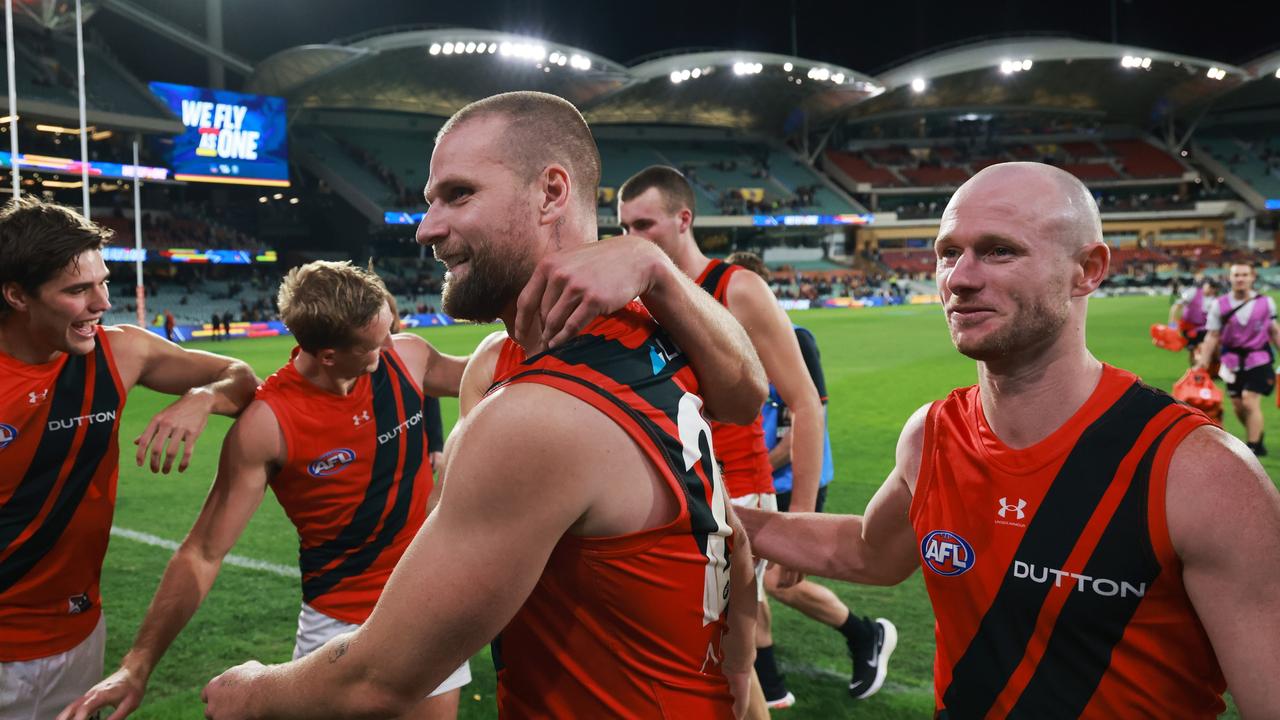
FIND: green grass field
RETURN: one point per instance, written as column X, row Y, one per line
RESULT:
column 880, row 366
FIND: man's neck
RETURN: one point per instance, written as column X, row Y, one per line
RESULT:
column 689, row 258
column 316, row 373
column 1026, row 401
column 18, row 344
column 1242, row 294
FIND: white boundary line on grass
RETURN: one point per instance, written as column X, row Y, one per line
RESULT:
column 237, row 560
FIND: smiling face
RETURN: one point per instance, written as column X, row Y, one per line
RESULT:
column 1242, row 277
column 481, row 222
column 1007, row 252
column 63, row 313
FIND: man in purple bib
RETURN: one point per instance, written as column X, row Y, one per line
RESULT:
column 1244, row 323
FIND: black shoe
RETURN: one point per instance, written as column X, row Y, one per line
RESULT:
column 1259, row 449
column 871, row 663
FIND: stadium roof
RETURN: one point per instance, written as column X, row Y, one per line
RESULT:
column 431, row 70
column 1115, row 83
column 760, row 92
column 1260, row 94
column 438, row 70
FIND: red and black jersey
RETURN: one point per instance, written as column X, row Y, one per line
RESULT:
column 627, row 626
column 740, row 449
column 355, row 482
column 1055, row 585
column 60, row 457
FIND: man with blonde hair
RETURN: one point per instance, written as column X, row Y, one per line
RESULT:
column 582, row 521
column 337, row 434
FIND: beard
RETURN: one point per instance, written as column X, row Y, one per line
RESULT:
column 493, row 280
column 1034, row 324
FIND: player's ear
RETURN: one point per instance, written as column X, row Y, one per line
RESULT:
column 1089, row 268
column 327, row 356
column 555, row 190
column 686, row 220
column 15, row 296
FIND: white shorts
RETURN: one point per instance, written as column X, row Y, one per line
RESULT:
column 40, row 689
column 315, row 629
column 758, row 501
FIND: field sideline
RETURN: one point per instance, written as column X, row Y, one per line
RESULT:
column 880, row 365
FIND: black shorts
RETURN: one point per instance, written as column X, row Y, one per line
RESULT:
column 1261, row 380
column 784, row 500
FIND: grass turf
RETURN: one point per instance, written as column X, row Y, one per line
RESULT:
column 880, row 366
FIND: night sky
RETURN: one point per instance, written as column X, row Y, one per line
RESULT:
column 865, row 36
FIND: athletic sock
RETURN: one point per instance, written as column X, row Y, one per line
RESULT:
column 772, row 682
column 857, row 631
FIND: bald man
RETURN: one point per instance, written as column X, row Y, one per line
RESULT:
column 1091, row 548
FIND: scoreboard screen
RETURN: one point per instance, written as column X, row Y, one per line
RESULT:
column 230, row 138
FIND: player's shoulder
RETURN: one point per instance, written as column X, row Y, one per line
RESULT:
column 1211, row 460
column 911, row 442
column 534, row 418
column 257, row 434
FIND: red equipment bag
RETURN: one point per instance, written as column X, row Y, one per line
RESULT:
column 1197, row 389
column 1170, row 339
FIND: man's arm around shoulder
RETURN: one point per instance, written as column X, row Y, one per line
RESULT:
column 251, row 448
column 877, row 548
column 1224, row 521
column 468, row 571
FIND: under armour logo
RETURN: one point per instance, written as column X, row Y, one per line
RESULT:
column 361, row 418
column 1006, row 508
column 33, row 398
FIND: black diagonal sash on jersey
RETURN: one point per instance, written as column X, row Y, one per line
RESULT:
column 368, row 550
column 633, row 368
column 711, row 282
column 997, row 648
column 42, row 474
column 1089, row 625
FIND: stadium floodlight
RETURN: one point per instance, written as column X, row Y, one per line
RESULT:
column 504, row 49
column 278, row 196
column 1146, row 63
column 435, row 49
column 1006, row 67
column 696, row 73
column 447, row 49
column 262, row 199
column 918, row 85
column 675, row 76
column 293, row 201
column 789, row 67
column 1026, row 64
column 838, row 78
column 493, row 48
column 1278, row 72
column 580, row 62
column 471, row 47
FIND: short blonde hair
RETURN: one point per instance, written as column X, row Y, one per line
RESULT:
column 323, row 302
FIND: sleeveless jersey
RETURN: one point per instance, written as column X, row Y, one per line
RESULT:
column 355, row 482
column 1056, row 588
column 739, row 448
column 626, row 626
column 60, row 459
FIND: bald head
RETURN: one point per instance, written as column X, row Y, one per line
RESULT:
column 1051, row 203
column 539, row 130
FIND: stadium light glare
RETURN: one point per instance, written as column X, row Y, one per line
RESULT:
column 447, row 49
column 918, row 85
column 435, row 49
column 493, row 48
column 555, row 57
column 1278, row 72
column 1026, row 64
column 262, row 199
column 1184, row 153
column 1216, row 73
column 471, row 47
column 789, row 67
column 1006, row 67
column 838, row 78
column 685, row 75
column 1146, row 63
column 504, row 49
column 675, row 76
column 293, row 201
column 278, row 196
column 696, row 73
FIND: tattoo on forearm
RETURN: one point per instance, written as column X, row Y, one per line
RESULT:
column 337, row 651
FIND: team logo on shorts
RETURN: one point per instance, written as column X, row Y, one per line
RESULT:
column 331, row 462
column 946, row 553
column 8, row 434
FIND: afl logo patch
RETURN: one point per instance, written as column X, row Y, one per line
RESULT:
column 331, row 462
column 946, row 553
column 8, row 434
